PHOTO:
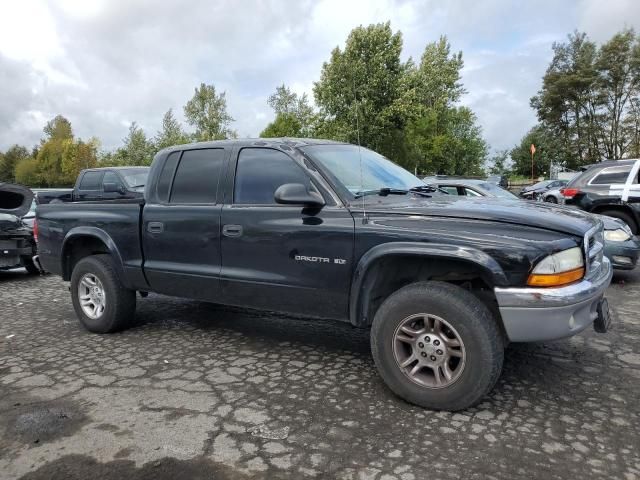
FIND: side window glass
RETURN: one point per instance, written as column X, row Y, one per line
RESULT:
column 471, row 193
column 166, row 176
column 91, row 181
column 110, row 177
column 450, row 190
column 260, row 172
column 611, row 175
column 197, row 176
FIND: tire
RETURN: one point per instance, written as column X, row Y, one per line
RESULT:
column 31, row 267
column 551, row 199
column 624, row 216
column 118, row 303
column 472, row 323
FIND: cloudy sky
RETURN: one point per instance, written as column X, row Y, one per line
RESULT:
column 105, row 63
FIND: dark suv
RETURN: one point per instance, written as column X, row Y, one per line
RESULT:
column 609, row 188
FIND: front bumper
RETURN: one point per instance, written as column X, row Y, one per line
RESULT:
column 539, row 314
column 623, row 255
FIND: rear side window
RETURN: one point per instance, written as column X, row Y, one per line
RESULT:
column 611, row 175
column 197, row 176
column 91, row 181
column 450, row 190
column 260, row 172
column 166, row 176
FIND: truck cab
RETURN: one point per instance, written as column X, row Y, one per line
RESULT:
column 110, row 183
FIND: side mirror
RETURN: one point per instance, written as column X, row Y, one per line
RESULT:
column 297, row 194
column 113, row 188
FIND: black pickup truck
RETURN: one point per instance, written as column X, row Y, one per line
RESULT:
column 332, row 230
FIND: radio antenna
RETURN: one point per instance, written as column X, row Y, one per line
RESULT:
column 364, row 211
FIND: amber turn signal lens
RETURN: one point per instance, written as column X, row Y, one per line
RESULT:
column 555, row 279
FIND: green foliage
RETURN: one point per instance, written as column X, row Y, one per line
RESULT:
column 548, row 150
column 171, row 132
column 294, row 115
column 9, row 160
column 404, row 111
column 499, row 163
column 59, row 128
column 27, row 172
column 207, row 113
column 589, row 96
column 136, row 150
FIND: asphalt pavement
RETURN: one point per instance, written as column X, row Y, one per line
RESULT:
column 195, row 390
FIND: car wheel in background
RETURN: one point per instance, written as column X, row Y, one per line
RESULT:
column 624, row 216
column 551, row 199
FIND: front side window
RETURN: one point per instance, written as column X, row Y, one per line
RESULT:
column 471, row 193
column 449, row 189
column 260, row 172
column 611, row 175
column 91, row 181
column 360, row 169
column 196, row 179
column 110, row 177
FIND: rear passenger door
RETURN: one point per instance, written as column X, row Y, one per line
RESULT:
column 181, row 232
column 90, row 186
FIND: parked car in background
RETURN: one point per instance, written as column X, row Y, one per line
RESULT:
column 621, row 246
column 17, row 245
column 535, row 191
column 469, row 187
column 609, row 188
column 552, row 196
column 500, row 180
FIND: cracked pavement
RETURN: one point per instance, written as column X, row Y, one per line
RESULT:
column 195, row 390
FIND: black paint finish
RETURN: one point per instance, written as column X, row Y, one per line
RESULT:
column 293, row 258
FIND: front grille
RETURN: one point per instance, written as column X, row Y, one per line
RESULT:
column 594, row 250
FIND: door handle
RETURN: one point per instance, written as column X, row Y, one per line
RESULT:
column 232, row 230
column 155, row 227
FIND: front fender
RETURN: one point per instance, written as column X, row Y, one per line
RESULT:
column 97, row 233
column 471, row 255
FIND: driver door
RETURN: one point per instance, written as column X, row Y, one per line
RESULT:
column 283, row 257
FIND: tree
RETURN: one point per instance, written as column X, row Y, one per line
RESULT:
column 9, row 160
column 548, row 150
column 27, row 172
column 137, row 149
column 58, row 128
column 587, row 97
column 207, row 113
column 294, row 115
column 171, row 132
column 358, row 88
column 78, row 155
column 498, row 163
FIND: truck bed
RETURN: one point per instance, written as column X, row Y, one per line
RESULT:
column 115, row 222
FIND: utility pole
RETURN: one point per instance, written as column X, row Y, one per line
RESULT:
column 532, row 149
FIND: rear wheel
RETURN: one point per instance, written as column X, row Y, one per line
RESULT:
column 436, row 345
column 101, row 303
column 624, row 216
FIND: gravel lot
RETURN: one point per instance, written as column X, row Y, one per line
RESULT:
column 202, row 391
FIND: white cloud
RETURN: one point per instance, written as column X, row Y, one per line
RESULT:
column 104, row 64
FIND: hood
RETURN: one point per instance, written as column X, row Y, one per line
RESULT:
column 15, row 199
column 533, row 214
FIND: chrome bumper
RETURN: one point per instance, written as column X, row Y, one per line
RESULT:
column 538, row 314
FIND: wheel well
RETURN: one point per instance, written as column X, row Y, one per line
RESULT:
column 77, row 248
column 617, row 208
column 391, row 273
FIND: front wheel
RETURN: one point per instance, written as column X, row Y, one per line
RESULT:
column 101, row 302
column 551, row 199
column 437, row 346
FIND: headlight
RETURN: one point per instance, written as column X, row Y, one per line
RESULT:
column 558, row 269
column 618, row 235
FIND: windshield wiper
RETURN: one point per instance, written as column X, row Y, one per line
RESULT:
column 385, row 191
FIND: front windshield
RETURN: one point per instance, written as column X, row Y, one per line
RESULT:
column 498, row 191
column 541, row 184
column 135, row 177
column 376, row 172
